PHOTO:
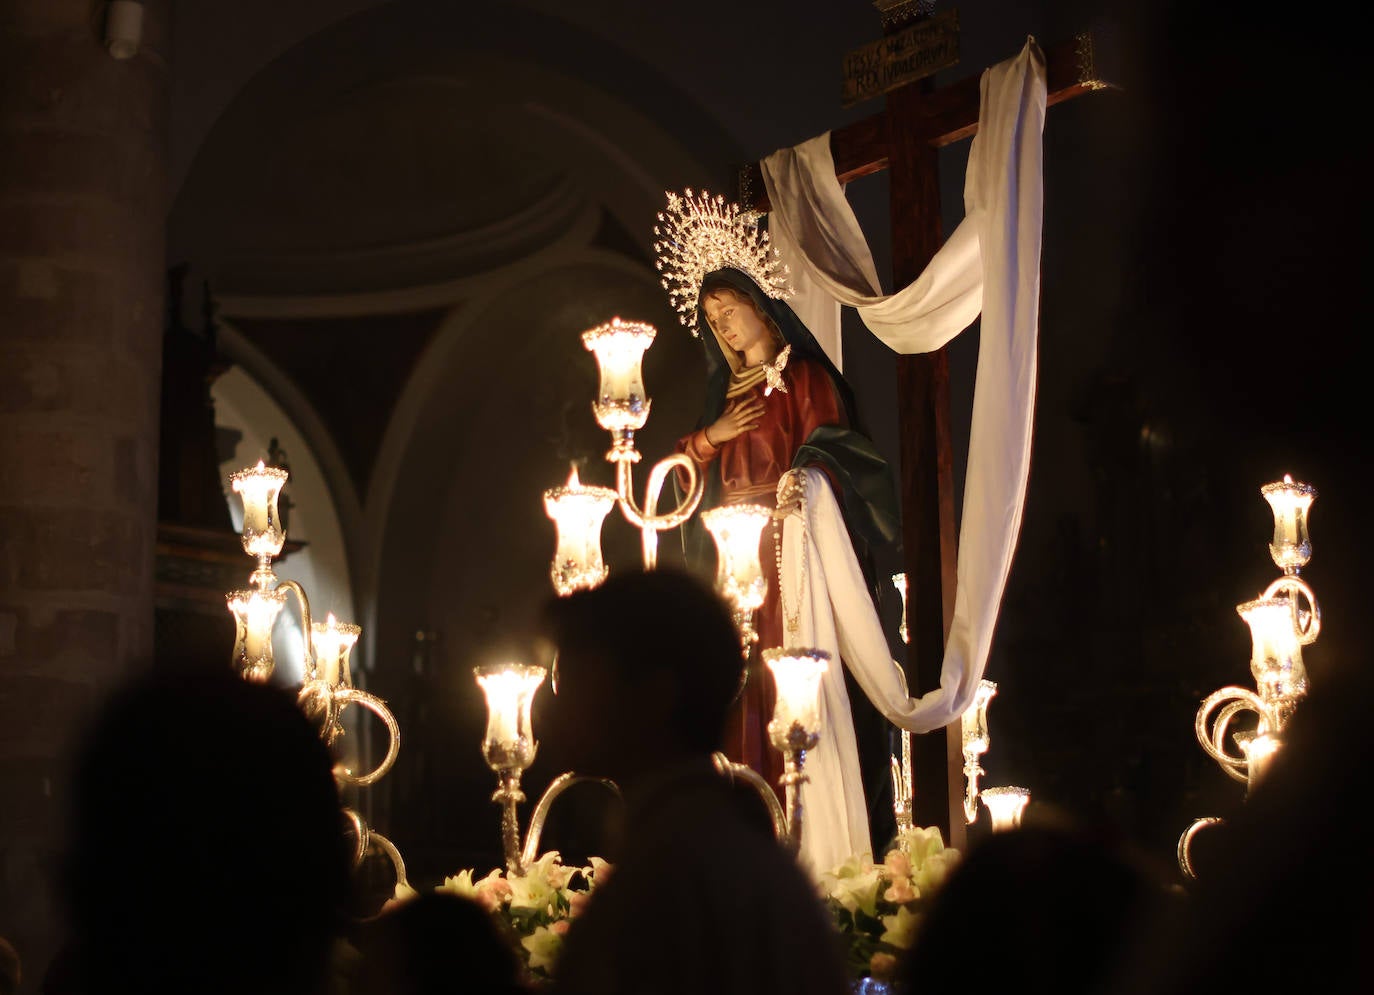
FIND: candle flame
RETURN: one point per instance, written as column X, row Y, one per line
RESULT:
column 330, row 619
column 260, row 465
column 572, row 477
column 1287, row 478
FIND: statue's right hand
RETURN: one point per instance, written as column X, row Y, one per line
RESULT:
column 740, row 415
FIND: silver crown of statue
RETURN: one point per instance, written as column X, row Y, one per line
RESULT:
column 698, row 234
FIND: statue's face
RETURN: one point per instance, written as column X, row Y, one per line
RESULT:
column 735, row 319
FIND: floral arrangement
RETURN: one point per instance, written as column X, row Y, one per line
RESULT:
column 877, row 907
column 535, row 909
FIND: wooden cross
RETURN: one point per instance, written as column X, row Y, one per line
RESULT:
column 904, row 139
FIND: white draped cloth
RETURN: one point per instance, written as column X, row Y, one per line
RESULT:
column 991, row 263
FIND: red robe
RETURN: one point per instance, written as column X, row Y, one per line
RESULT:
column 748, row 468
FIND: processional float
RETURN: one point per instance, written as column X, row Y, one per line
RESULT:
column 621, row 407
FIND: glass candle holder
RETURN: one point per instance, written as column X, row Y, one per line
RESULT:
column 334, row 642
column 1005, row 805
column 260, row 487
column 975, row 720
column 974, row 730
column 1276, row 648
column 621, row 403
column 1290, row 502
column 797, row 675
column 736, row 529
column 578, row 512
column 255, row 613
column 509, row 688
column 795, row 726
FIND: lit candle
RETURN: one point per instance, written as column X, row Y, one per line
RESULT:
column 260, row 487
column 739, row 575
column 797, row 675
column 333, row 641
column 1290, row 502
column 1005, row 806
column 578, row 513
column 255, row 613
column 1276, row 648
column 509, row 689
column 619, row 347
column 1259, row 749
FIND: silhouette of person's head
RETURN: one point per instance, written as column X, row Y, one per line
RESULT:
column 646, row 668
column 422, row 945
column 207, row 848
column 1054, row 902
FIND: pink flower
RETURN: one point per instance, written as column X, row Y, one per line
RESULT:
column 901, row 891
column 897, row 864
column 491, row 892
column 560, row 927
column 882, row 966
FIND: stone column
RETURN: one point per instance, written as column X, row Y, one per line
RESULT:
column 82, row 218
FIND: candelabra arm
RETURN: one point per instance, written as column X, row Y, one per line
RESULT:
column 755, row 780
column 1185, row 843
column 902, row 790
column 308, row 640
column 508, row 795
column 1232, row 700
column 649, row 519
column 748, row 634
column 648, row 534
column 972, row 771
column 792, row 780
column 366, row 837
column 343, row 696
column 901, row 805
column 541, row 809
column 394, row 855
column 360, row 833
column 793, row 744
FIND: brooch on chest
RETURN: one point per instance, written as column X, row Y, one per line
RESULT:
column 772, row 372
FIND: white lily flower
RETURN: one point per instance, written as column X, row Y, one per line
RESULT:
column 900, row 930
column 543, row 946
